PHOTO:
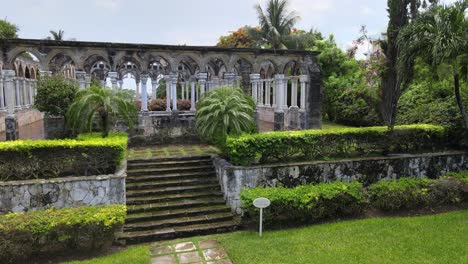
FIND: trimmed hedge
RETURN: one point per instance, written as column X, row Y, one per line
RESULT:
column 306, row 203
column 89, row 154
column 52, row 231
column 342, row 142
column 409, row 193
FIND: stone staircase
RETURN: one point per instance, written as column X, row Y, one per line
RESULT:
column 174, row 197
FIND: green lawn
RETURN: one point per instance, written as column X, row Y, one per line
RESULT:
column 439, row 238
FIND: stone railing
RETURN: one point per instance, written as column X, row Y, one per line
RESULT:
column 16, row 93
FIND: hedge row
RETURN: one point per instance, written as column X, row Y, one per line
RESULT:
column 52, row 231
column 89, row 154
column 309, row 203
column 341, row 142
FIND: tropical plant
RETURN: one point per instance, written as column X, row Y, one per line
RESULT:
column 439, row 36
column 224, row 111
column 7, row 29
column 239, row 39
column 56, row 35
column 54, row 95
column 276, row 23
column 103, row 105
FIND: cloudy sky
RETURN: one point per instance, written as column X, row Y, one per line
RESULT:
column 190, row 22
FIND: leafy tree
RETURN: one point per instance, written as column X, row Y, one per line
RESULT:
column 239, row 39
column 224, row 111
column 56, row 35
column 439, row 36
column 7, row 29
column 54, row 95
column 276, row 23
column 103, row 105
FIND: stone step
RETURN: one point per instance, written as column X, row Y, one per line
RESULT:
column 178, row 204
column 173, row 197
column 172, row 190
column 171, row 183
column 160, row 171
column 176, row 213
column 182, row 158
column 178, row 232
column 168, row 176
column 186, row 220
column 168, row 164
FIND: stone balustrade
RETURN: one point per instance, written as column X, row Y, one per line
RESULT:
column 16, row 93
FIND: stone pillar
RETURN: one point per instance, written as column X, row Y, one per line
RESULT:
column 254, row 80
column 27, row 88
column 168, row 92
column 11, row 127
column 2, row 93
column 230, row 78
column 81, row 76
column 17, row 93
column 32, row 90
column 120, row 82
column 260, row 92
column 174, row 78
column 294, row 80
column 103, row 83
column 279, row 113
column 87, row 81
column 284, row 84
column 245, row 70
column 9, row 90
column 273, row 94
column 202, row 80
column 303, row 118
column 182, row 84
column 24, row 99
column 137, row 89
column 154, row 89
column 187, row 90
column 144, row 95
column 267, row 92
column 113, row 78
column 192, row 96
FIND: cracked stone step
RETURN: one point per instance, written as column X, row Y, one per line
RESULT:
column 169, row 190
column 176, row 213
column 173, row 197
column 171, row 183
column 184, row 158
column 192, row 203
column 162, row 164
column 159, row 171
column 179, row 232
column 183, row 175
column 186, row 220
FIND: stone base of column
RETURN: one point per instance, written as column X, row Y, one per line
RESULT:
column 11, row 127
column 294, row 122
column 279, row 121
column 303, row 120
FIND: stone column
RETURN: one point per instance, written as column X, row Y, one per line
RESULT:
column 260, row 92
column 303, row 122
column 202, row 80
column 174, row 78
column 192, row 96
column 215, row 81
column 284, row 84
column 154, row 89
column 267, row 92
column 294, row 80
column 230, row 78
column 279, row 112
column 17, row 93
column 11, row 123
column 27, row 85
column 168, row 92
column 32, row 90
column 103, row 83
column 182, row 84
column 87, row 81
column 120, row 82
column 137, row 89
column 81, row 76
column 187, row 90
column 2, row 93
column 144, row 95
column 113, row 78
column 273, row 93
column 254, row 80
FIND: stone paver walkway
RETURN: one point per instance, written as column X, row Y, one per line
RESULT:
column 206, row 252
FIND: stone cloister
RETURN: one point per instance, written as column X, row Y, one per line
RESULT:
column 285, row 84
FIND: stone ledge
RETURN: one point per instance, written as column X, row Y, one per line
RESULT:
column 64, row 179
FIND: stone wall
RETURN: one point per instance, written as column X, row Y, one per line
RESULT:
column 164, row 128
column 233, row 179
column 24, row 117
column 18, row 196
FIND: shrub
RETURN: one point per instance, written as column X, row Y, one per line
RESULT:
column 306, row 203
column 409, row 193
column 41, row 159
column 54, row 95
column 23, row 235
column 160, row 105
column 341, row 142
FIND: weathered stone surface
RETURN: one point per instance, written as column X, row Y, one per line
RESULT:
column 234, row 179
column 28, row 195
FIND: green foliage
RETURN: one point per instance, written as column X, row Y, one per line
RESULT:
column 56, row 35
column 238, row 39
column 54, row 95
column 409, row 193
column 224, row 111
column 462, row 176
column 7, row 29
column 89, row 154
column 55, row 231
column 339, row 142
column 306, row 203
column 103, row 105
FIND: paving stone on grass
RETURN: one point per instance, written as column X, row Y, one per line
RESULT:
column 214, row 254
column 161, row 250
column 183, row 247
column 189, row 257
column 166, row 259
column 206, row 244
column 223, row 261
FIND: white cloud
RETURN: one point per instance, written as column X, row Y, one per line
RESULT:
column 366, row 10
column 108, row 4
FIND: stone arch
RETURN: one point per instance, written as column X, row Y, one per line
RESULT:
column 267, row 66
column 189, row 62
column 59, row 62
column 127, row 61
column 215, row 65
column 159, row 62
column 16, row 52
column 291, row 68
column 27, row 72
column 19, row 70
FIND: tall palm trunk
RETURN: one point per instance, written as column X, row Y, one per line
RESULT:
column 461, row 106
column 105, row 123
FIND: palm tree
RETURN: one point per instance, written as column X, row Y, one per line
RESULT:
column 224, row 111
column 101, row 104
column 275, row 23
column 57, row 35
column 440, row 37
